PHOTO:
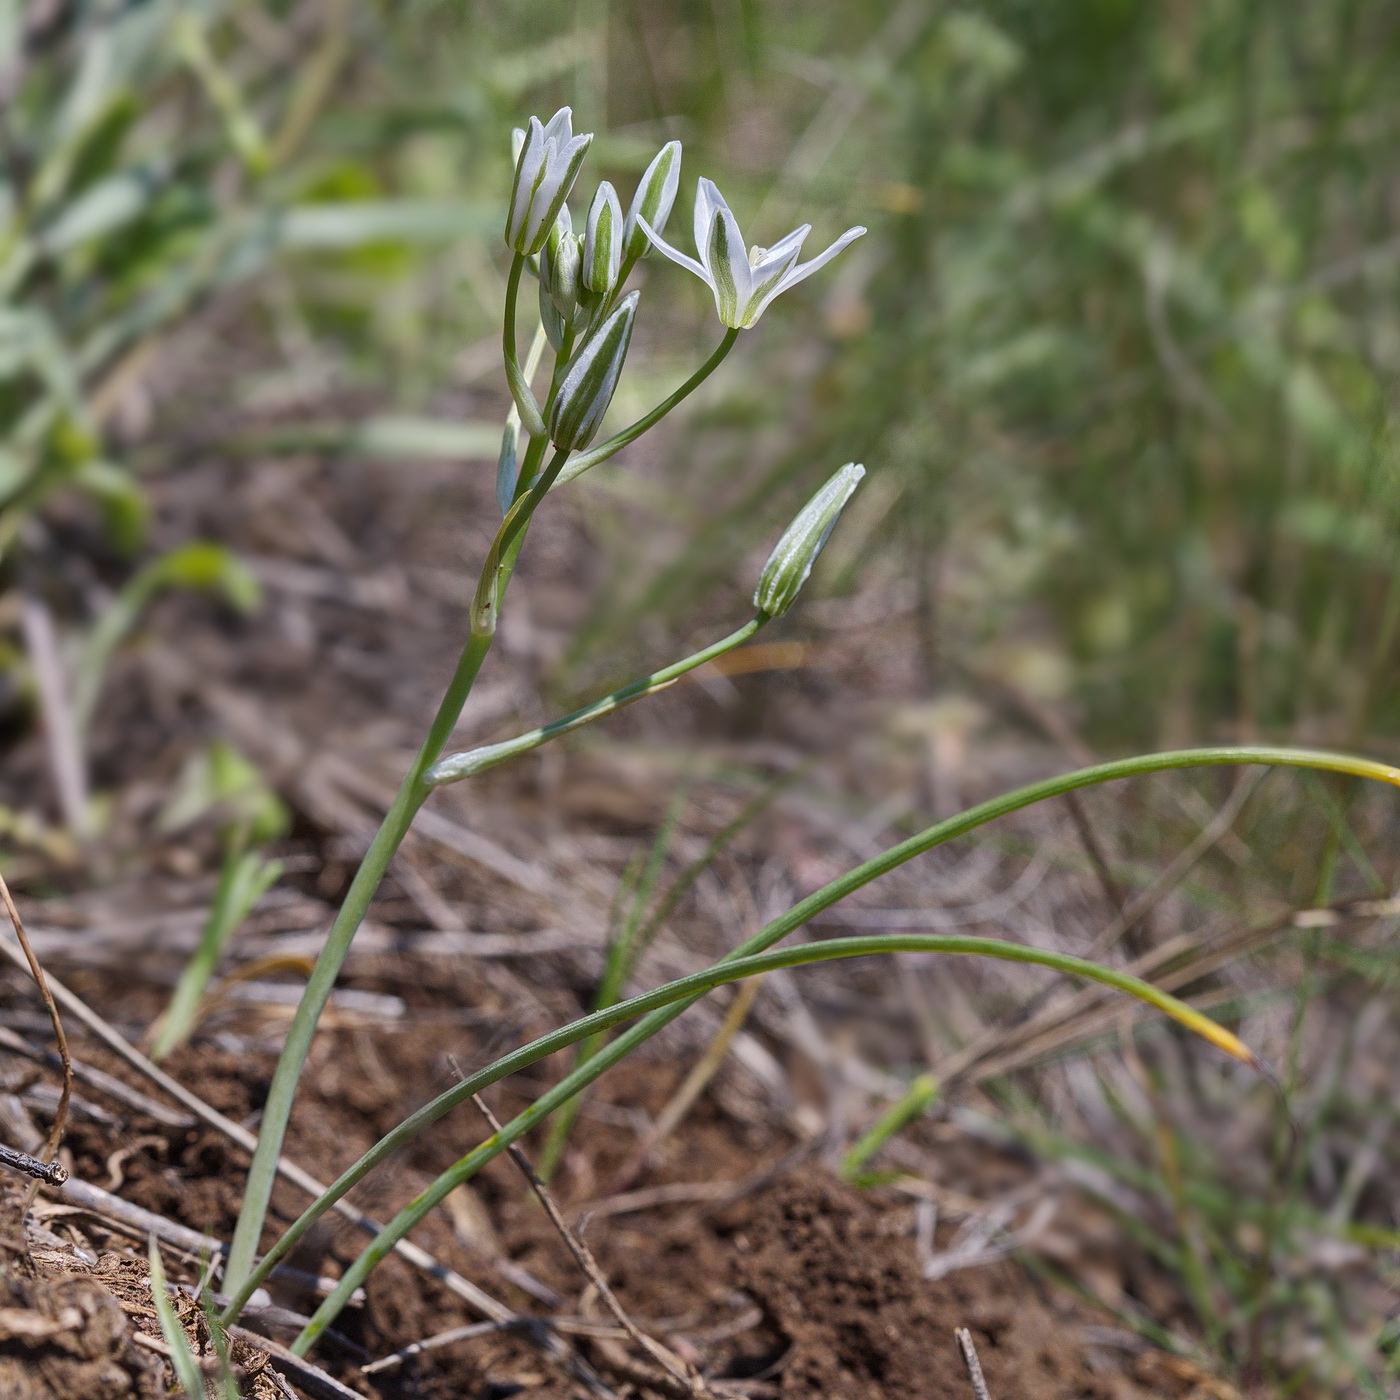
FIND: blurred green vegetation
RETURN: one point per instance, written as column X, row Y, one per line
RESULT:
column 1122, row 342
column 1120, row 348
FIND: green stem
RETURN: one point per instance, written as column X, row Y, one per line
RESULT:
column 500, row 558
column 457, row 766
column 411, row 795
column 519, row 386
column 800, row 914
column 618, row 441
column 674, row 997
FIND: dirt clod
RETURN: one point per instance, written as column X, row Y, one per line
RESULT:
column 860, row 1322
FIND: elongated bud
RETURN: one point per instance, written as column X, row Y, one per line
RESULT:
column 553, row 322
column 560, row 261
column 588, row 386
column 793, row 556
column 602, row 244
column 507, row 469
column 653, row 200
column 545, row 170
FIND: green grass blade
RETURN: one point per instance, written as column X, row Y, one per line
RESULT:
column 182, row 1358
column 663, row 1010
column 246, row 877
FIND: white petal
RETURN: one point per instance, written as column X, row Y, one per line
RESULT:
column 561, row 126
column 658, row 189
column 708, row 201
column 784, row 249
column 764, row 282
column 527, row 173
column 728, row 261
column 555, row 171
column 796, row 274
column 674, row 254
column 808, row 268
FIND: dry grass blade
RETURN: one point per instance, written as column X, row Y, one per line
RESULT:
column 64, row 745
column 693, row 1085
column 1177, row 871
column 102, row 1082
column 439, row 1339
column 974, row 1365
column 60, row 1117
column 583, row 1256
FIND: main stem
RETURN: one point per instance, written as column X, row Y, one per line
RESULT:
column 411, row 795
column 520, row 390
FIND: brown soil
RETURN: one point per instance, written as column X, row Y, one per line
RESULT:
column 798, row 1287
column 801, row 1288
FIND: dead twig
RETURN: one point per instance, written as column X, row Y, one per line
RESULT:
column 974, row 1366
column 60, row 1117
column 583, row 1256
column 441, row 1339
column 55, row 1173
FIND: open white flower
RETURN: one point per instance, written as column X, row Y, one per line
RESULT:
column 743, row 282
column 546, row 167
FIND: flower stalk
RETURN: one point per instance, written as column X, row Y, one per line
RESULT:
column 457, row 766
column 581, row 300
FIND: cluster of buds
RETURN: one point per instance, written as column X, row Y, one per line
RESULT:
column 581, row 276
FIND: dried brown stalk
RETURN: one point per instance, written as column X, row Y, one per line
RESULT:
column 974, row 1366
column 583, row 1256
column 60, row 1117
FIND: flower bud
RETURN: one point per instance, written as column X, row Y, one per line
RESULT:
column 793, row 556
column 560, row 265
column 549, row 161
column 602, row 243
column 552, row 321
column 588, row 386
column 653, row 200
column 507, row 469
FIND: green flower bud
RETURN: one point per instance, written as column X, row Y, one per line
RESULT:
column 553, row 321
column 560, row 265
column 653, row 200
column 507, row 469
column 602, row 243
column 792, row 558
column 591, row 379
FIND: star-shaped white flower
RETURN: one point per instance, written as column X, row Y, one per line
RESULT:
column 743, row 282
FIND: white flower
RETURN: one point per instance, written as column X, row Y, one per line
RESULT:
column 743, row 283
column 545, row 170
